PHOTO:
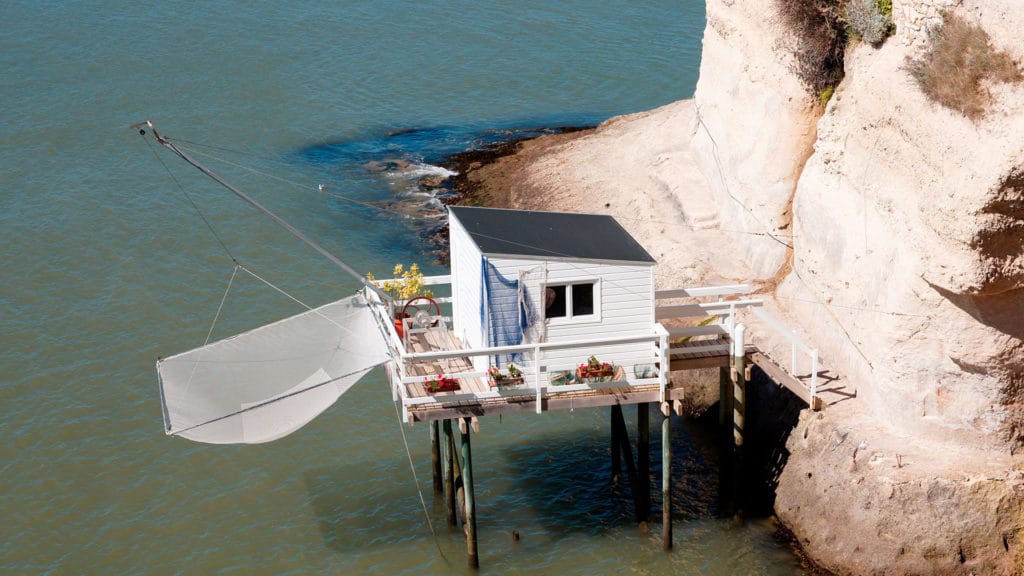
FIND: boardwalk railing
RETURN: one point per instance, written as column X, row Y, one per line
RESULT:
column 796, row 345
column 726, row 310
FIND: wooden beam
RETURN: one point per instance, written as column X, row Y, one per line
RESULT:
column 702, row 362
column 435, row 457
column 529, row 404
column 701, row 310
column 777, row 374
column 616, row 450
column 449, row 473
column 693, row 331
column 666, row 482
column 627, row 449
column 467, row 484
column 724, row 406
column 703, row 291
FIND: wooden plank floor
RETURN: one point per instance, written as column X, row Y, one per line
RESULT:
column 513, row 401
column 682, row 359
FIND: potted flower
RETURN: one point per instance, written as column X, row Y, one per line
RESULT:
column 406, row 285
column 498, row 378
column 440, row 383
column 595, row 371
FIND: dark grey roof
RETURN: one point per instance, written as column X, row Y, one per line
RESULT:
column 551, row 234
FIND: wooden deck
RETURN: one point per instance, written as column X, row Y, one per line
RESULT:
column 476, row 398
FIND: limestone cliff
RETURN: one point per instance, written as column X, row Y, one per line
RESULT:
column 907, row 273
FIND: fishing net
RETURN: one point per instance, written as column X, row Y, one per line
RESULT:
column 268, row 382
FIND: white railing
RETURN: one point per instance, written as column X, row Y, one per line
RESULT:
column 639, row 368
column 796, row 344
column 727, row 309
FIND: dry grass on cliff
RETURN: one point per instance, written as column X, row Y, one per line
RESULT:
column 960, row 63
column 819, row 41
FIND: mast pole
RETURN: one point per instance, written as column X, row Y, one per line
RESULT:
column 280, row 221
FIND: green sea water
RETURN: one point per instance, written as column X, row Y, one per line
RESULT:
column 106, row 266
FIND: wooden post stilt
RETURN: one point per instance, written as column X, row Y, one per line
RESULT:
column 467, row 485
column 616, row 451
column 739, row 411
column 726, row 472
column 435, row 457
column 666, row 482
column 449, row 473
column 724, row 391
column 643, row 458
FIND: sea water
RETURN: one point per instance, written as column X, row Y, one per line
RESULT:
column 108, row 263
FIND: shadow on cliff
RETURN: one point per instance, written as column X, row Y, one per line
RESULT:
column 1003, row 312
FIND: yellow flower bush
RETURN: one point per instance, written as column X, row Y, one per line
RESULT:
column 407, row 283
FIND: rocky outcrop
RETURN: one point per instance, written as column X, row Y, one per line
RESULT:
column 897, row 505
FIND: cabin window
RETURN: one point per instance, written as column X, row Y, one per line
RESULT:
column 570, row 300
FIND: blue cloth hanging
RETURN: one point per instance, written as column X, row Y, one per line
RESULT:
column 503, row 311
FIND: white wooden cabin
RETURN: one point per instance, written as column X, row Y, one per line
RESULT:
column 523, row 277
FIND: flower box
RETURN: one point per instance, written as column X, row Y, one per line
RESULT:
column 596, row 371
column 591, row 376
column 441, row 384
column 505, row 382
column 498, row 379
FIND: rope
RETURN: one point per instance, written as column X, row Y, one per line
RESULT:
column 252, row 202
column 419, row 490
column 394, row 212
column 292, row 298
column 300, row 185
column 775, row 237
column 222, row 300
column 857, row 308
column 181, row 188
column 721, row 176
column 195, row 365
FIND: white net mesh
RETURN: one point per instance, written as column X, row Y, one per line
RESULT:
column 268, row 382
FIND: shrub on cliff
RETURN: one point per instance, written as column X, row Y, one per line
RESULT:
column 960, row 62
column 819, row 40
column 867, row 20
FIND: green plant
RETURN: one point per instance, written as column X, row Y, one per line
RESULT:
column 499, row 378
column 513, row 371
column 704, row 322
column 884, row 8
column 867, row 21
column 826, row 95
column 960, row 61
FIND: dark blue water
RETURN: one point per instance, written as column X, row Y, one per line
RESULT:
column 106, row 265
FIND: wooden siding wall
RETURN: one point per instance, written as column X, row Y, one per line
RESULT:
column 625, row 296
column 466, row 262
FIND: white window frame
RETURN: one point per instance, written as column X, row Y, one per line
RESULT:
column 569, row 318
